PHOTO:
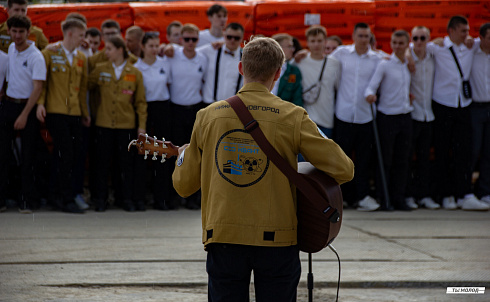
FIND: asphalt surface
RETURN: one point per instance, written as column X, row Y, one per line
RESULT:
column 158, row 256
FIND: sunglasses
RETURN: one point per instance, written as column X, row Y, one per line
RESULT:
column 237, row 38
column 187, row 39
column 416, row 38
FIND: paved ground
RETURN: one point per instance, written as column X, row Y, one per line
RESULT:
column 158, row 256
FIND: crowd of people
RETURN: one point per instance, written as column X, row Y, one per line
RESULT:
column 424, row 96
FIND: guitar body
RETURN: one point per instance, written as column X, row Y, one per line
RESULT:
column 315, row 230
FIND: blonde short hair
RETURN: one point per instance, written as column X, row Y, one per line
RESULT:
column 72, row 23
column 189, row 28
column 282, row 37
column 261, row 59
column 315, row 30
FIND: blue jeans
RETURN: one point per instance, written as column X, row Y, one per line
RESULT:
column 277, row 271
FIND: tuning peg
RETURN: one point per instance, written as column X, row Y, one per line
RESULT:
column 163, row 140
column 146, row 153
column 155, row 153
column 146, row 137
column 163, row 157
column 155, row 142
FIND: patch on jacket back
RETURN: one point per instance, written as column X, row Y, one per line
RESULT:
column 239, row 159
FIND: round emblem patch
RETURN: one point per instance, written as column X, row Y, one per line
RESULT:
column 239, row 159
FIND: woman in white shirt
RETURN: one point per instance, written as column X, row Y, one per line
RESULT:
column 155, row 75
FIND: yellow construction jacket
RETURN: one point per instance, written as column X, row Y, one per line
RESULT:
column 119, row 99
column 65, row 88
column 244, row 195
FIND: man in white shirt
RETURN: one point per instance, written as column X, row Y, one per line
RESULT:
column 480, row 112
column 25, row 76
column 393, row 118
column 222, row 79
column 452, row 124
column 422, row 121
column 353, row 117
column 218, row 17
column 187, row 69
column 320, row 108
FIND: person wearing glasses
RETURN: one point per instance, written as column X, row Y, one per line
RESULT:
column 422, row 81
column 155, row 72
column 218, row 17
column 288, row 87
column 222, row 78
column 187, row 69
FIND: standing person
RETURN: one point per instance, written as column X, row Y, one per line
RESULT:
column 316, row 64
column 353, row 117
column 332, row 43
column 393, row 117
column 422, row 81
column 19, row 8
column 93, row 37
column 480, row 112
column 218, row 17
column 122, row 101
column 25, row 76
column 63, row 105
column 222, row 78
column 239, row 208
column 288, row 87
column 174, row 34
column 134, row 37
column 3, row 71
column 187, row 70
column 452, row 124
column 155, row 71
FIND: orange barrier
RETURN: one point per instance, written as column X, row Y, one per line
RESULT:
column 157, row 16
column 339, row 17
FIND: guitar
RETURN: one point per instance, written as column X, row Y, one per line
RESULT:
column 147, row 145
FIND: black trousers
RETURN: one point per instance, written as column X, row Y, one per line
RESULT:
column 277, row 271
column 395, row 135
column 452, row 148
column 419, row 180
column 480, row 125
column 66, row 132
column 159, row 124
column 357, row 139
column 113, row 144
column 30, row 137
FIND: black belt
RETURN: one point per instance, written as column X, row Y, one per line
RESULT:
column 17, row 101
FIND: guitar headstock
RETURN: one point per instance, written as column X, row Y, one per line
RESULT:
column 152, row 146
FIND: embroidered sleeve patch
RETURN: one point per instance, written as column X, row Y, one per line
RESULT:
column 180, row 160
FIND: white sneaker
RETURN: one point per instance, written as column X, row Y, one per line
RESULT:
column 471, row 203
column 486, row 199
column 449, row 203
column 82, row 205
column 367, row 204
column 410, row 201
column 428, row 203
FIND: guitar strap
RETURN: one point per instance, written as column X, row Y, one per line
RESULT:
column 252, row 127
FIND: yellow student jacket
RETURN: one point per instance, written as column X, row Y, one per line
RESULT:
column 65, row 88
column 119, row 99
column 243, row 194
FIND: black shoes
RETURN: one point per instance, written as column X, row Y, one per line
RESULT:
column 140, row 206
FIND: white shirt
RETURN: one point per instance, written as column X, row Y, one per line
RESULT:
column 480, row 76
column 118, row 69
column 227, row 76
column 69, row 54
column 275, row 89
column 447, row 80
column 421, row 88
column 86, row 51
column 155, row 78
column 186, row 78
column 357, row 70
column 393, row 80
column 321, row 112
column 205, row 37
column 4, row 59
column 23, row 68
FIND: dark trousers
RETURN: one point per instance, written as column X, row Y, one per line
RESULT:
column 452, row 150
column 480, row 125
column 113, row 144
column 30, row 137
column 277, row 271
column 357, row 138
column 66, row 132
column 80, row 161
column 159, row 124
column 419, row 174
column 395, row 136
